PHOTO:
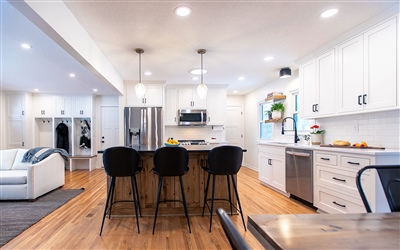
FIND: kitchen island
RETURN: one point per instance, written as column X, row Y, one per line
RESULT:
column 194, row 183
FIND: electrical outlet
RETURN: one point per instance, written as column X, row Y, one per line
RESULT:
column 355, row 127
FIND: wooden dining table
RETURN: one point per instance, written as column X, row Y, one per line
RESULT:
column 327, row 231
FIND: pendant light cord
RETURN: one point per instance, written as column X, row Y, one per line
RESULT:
column 140, row 67
column 201, row 69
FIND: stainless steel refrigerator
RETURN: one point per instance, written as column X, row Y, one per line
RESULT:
column 143, row 126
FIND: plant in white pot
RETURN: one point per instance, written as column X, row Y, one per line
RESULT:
column 316, row 135
column 277, row 110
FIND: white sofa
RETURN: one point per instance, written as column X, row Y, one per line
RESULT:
column 27, row 181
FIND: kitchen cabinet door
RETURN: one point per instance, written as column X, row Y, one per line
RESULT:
column 188, row 99
column 308, row 79
column 44, row 106
column 83, row 106
column 271, row 164
column 216, row 107
column 351, row 74
column 63, row 106
column 153, row 96
column 171, row 107
column 326, row 82
column 16, row 106
column 380, row 72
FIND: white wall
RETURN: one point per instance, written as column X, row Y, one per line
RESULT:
column 251, row 117
column 3, row 123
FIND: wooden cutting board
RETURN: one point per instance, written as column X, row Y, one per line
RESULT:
column 332, row 146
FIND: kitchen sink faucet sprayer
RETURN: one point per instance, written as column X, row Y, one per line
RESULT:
column 296, row 138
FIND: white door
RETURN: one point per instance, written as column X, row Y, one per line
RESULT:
column 109, row 127
column 234, row 125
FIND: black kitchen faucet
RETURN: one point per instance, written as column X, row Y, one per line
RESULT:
column 296, row 138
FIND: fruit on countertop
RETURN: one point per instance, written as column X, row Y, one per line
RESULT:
column 360, row 145
column 172, row 141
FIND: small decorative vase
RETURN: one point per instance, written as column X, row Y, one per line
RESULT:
column 316, row 139
column 276, row 114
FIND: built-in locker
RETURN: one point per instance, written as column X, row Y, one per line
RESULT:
column 44, row 132
column 63, row 134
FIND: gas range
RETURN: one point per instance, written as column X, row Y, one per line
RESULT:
column 193, row 142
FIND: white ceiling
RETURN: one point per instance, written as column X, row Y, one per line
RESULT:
column 236, row 34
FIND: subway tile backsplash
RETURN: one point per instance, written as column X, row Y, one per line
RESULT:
column 379, row 129
column 195, row 133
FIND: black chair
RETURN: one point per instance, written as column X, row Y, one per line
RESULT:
column 390, row 180
column 223, row 160
column 171, row 162
column 235, row 238
column 121, row 162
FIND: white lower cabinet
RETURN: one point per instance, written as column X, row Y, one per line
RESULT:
column 271, row 166
column 335, row 189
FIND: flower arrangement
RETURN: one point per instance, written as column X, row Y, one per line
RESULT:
column 316, row 130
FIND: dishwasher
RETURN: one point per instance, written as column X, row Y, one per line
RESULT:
column 299, row 173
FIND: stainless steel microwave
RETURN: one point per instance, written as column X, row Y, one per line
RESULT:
column 192, row 117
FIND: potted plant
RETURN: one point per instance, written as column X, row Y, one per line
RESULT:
column 277, row 110
column 316, row 135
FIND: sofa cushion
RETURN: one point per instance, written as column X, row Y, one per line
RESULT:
column 18, row 158
column 13, row 177
column 7, row 158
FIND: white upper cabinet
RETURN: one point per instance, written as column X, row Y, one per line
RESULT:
column 63, row 106
column 83, row 106
column 216, row 107
column 16, row 106
column 153, row 96
column 188, row 99
column 367, row 70
column 171, row 107
column 44, row 106
column 318, row 85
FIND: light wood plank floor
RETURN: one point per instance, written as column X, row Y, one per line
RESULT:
column 76, row 225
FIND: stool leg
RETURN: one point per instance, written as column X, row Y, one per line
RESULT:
column 112, row 195
column 184, row 202
column 237, row 197
column 158, row 200
column 106, row 206
column 205, row 193
column 134, row 191
column 137, row 196
column 229, row 193
column 212, row 201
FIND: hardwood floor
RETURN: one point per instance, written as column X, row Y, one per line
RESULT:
column 76, row 225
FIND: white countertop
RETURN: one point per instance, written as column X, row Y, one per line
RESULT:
column 363, row 151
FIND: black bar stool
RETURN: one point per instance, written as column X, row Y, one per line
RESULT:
column 121, row 162
column 223, row 160
column 171, row 161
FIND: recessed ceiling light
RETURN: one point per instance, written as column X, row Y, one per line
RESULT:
column 329, row 13
column 36, row 90
column 195, row 78
column 26, row 46
column 268, row 58
column 241, row 78
column 235, row 91
column 198, row 71
column 94, row 90
column 147, row 73
column 183, row 11
column 72, row 75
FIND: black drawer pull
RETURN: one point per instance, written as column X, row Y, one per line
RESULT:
column 337, row 179
column 353, row 163
column 325, row 159
column 340, row 205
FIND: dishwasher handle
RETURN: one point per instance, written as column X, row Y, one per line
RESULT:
column 298, row 154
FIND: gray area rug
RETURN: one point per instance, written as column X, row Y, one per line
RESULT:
column 17, row 216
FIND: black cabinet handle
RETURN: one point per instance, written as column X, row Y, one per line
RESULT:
column 313, row 108
column 353, row 163
column 316, row 107
column 325, row 159
column 338, row 204
column 337, row 179
column 359, row 100
column 365, row 99
column 269, row 162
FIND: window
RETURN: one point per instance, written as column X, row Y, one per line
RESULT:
column 302, row 125
column 265, row 128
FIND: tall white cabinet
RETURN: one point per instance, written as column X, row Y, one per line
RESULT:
column 153, row 96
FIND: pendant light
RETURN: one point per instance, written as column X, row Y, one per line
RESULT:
column 140, row 89
column 285, row 73
column 202, row 88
